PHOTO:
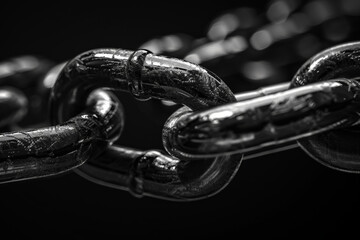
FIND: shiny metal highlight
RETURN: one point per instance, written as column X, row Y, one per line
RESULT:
column 147, row 76
column 54, row 150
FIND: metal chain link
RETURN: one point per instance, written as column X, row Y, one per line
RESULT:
column 315, row 107
column 206, row 139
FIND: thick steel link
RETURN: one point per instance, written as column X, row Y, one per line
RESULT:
column 234, row 48
column 249, row 48
column 157, row 174
column 145, row 75
column 39, row 152
column 338, row 149
column 281, row 117
column 54, row 150
column 263, row 121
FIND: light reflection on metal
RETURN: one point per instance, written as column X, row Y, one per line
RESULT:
column 51, row 76
column 226, row 38
column 217, row 49
column 168, row 103
column 6, row 69
column 151, row 172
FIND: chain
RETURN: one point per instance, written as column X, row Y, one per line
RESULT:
column 277, row 118
column 206, row 139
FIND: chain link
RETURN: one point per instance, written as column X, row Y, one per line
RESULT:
column 150, row 172
column 205, row 139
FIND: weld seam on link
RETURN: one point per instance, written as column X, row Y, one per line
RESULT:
column 135, row 181
column 133, row 70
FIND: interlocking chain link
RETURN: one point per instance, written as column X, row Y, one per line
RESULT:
column 278, row 118
column 149, row 172
column 205, row 139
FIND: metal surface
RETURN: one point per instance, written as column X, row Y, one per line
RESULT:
column 302, row 112
column 330, row 148
column 147, row 76
column 54, row 150
column 206, row 138
column 161, row 78
column 157, row 174
column 263, row 121
column 205, row 146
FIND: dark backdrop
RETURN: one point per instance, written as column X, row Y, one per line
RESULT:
column 281, row 195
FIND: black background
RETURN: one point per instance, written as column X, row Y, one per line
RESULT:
column 281, row 195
